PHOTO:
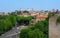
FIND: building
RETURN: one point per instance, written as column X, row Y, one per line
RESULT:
column 3, row 13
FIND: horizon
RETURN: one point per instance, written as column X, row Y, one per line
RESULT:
column 30, row 10
column 12, row 5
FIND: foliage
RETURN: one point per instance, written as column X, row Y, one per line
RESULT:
column 50, row 14
column 36, row 33
column 28, row 33
column 24, row 33
column 39, row 30
column 25, row 11
column 6, row 23
column 13, row 13
column 58, row 19
column 24, row 20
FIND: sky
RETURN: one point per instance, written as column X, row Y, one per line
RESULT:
column 12, row 5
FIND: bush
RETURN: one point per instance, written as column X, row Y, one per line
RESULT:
column 39, row 30
column 36, row 33
column 6, row 23
column 58, row 19
column 42, row 25
column 24, row 20
column 50, row 14
column 28, row 33
column 24, row 33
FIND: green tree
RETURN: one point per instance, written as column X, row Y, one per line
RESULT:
column 39, row 30
column 6, row 23
column 24, row 33
column 58, row 19
column 36, row 33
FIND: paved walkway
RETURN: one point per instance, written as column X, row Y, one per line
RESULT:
column 13, row 33
column 54, row 30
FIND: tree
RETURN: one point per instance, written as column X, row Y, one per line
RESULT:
column 58, row 19
column 24, row 20
column 36, row 33
column 50, row 14
column 13, row 19
column 6, row 23
column 39, row 30
column 24, row 33
column 13, row 13
column 25, row 11
column 28, row 33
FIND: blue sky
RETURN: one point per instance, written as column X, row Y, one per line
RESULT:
column 11, row 5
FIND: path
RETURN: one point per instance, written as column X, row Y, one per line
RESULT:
column 54, row 30
column 13, row 33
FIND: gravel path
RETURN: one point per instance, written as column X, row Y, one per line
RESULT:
column 54, row 30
